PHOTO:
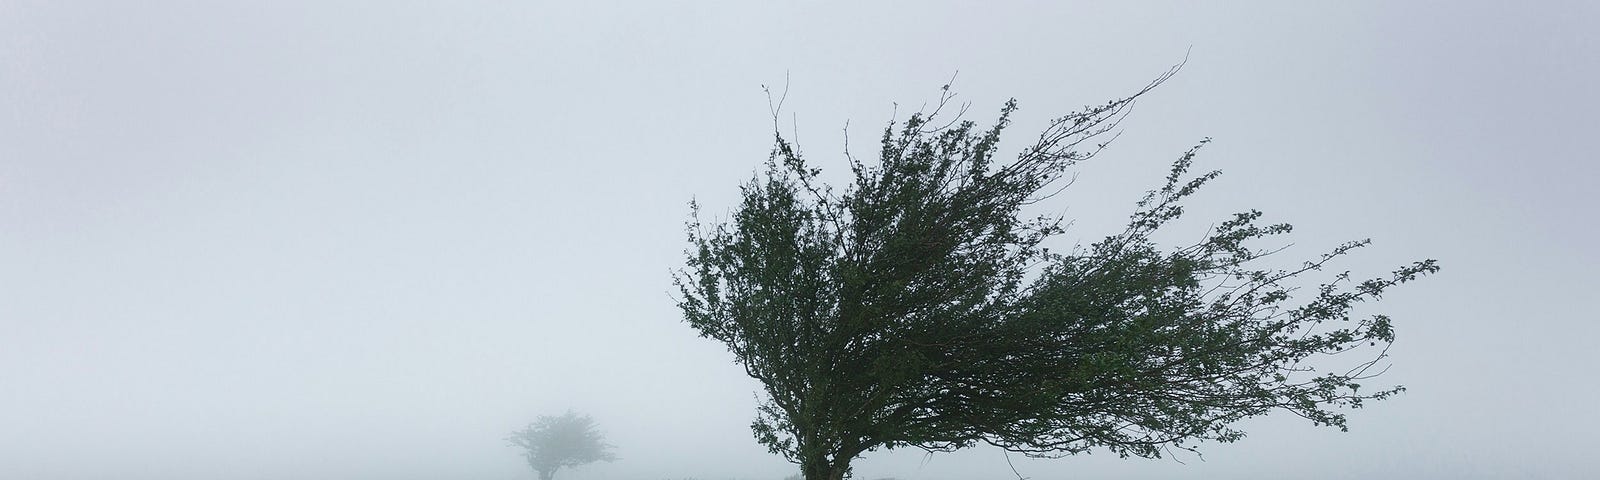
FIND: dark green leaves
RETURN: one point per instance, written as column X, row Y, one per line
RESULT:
column 916, row 307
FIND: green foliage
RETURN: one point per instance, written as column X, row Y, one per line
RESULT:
column 554, row 442
column 918, row 307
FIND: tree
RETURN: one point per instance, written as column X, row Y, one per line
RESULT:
column 554, row 442
column 919, row 307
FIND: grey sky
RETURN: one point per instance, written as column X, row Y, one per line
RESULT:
column 368, row 240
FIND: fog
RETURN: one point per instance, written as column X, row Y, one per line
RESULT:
column 368, row 240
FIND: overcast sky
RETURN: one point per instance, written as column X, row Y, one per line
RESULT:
column 320, row 240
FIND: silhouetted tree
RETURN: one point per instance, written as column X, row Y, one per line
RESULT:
column 919, row 308
column 554, row 442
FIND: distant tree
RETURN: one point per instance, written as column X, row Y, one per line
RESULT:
column 919, row 308
column 554, row 442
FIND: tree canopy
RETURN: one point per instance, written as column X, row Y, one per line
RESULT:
column 555, row 442
column 918, row 306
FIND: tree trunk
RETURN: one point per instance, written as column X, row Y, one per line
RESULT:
column 821, row 469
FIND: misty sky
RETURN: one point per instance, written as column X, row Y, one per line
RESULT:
column 367, row 240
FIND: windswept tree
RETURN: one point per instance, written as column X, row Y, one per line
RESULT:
column 555, row 442
column 918, row 306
